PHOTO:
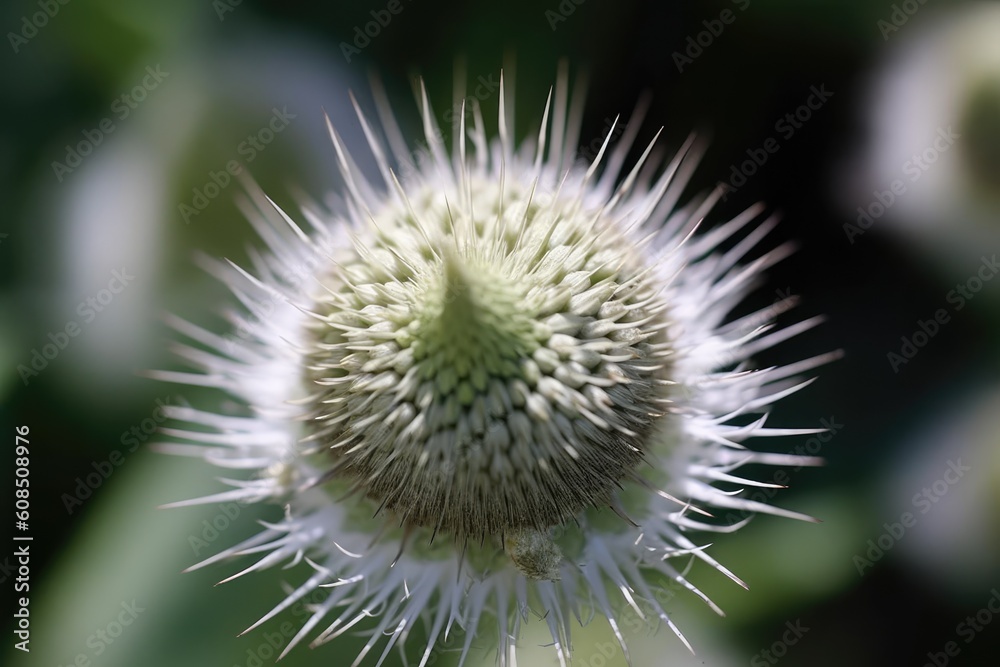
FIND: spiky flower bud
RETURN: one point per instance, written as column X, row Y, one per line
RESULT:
column 505, row 361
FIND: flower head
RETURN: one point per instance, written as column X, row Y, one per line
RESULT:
column 504, row 365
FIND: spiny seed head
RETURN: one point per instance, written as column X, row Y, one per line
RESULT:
column 488, row 368
column 488, row 349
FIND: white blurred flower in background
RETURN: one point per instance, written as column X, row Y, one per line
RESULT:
column 119, row 207
column 930, row 167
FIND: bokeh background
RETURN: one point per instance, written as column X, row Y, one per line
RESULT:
column 891, row 227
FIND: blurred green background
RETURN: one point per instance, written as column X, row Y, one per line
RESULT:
column 162, row 96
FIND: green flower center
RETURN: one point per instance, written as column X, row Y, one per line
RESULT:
column 490, row 370
column 471, row 329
